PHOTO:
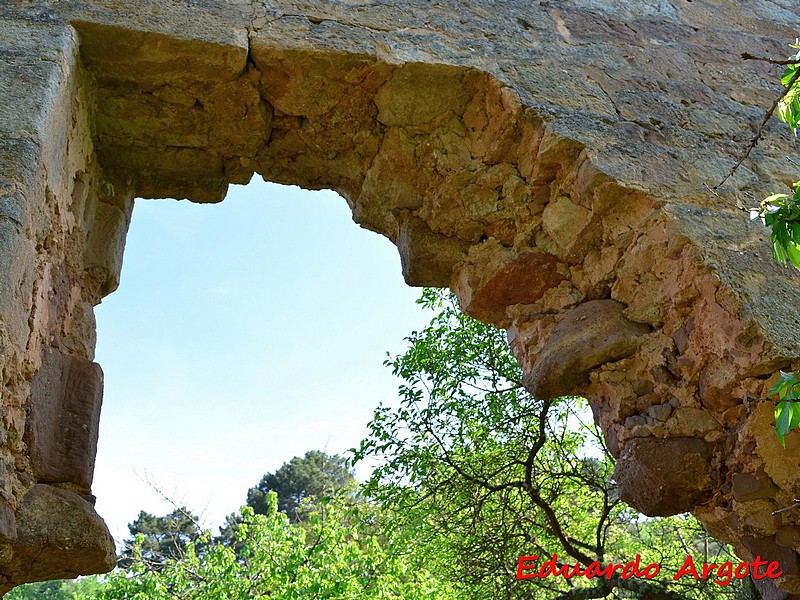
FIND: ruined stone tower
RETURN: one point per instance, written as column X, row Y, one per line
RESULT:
column 548, row 161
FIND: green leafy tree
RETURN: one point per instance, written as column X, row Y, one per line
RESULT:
column 80, row 589
column 42, row 590
column 336, row 553
column 159, row 539
column 486, row 473
column 301, row 479
column 298, row 483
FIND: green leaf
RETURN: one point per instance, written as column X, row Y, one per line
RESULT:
column 771, row 199
column 782, row 421
column 783, row 111
column 788, row 388
column 794, row 419
column 789, row 74
column 793, row 253
column 779, row 252
column 792, row 390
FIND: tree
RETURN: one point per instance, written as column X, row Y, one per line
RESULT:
column 159, row 539
column 487, row 473
column 299, row 480
column 336, row 553
column 83, row 588
column 42, row 590
column 297, row 484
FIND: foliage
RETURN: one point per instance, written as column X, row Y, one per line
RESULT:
column 335, row 546
column 487, row 473
column 335, row 553
column 313, row 476
column 781, row 213
column 84, row 588
column 789, row 105
column 787, row 413
column 158, row 539
column 297, row 484
column 476, row 472
column 46, row 590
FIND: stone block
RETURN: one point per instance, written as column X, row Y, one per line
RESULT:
column 748, row 487
column 129, row 51
column 691, row 422
column 589, row 335
column 418, row 93
column 427, row 258
column 664, row 477
column 788, row 536
column 63, row 417
column 497, row 278
column 105, row 246
column 660, row 412
column 59, row 535
column 565, row 221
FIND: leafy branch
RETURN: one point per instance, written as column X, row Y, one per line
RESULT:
column 787, row 413
column 781, row 213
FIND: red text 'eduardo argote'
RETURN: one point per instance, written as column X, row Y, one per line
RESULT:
column 723, row 573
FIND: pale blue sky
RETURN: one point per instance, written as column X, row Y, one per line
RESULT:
column 243, row 334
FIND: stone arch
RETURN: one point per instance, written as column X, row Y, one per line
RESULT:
column 563, row 211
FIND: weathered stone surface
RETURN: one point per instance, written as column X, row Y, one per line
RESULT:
column 767, row 547
column 594, row 333
column 427, row 259
column 749, row 487
column 778, row 463
column 59, row 535
column 418, row 94
column 106, row 243
column 664, row 477
column 788, row 537
column 495, row 277
column 547, row 161
column 61, row 428
column 691, row 422
column 769, row 591
column 660, row 412
column 565, row 222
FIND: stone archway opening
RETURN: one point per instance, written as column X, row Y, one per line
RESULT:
column 242, row 334
column 618, row 279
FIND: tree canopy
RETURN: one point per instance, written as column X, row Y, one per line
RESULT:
column 336, row 553
column 310, row 477
column 161, row 538
column 488, row 473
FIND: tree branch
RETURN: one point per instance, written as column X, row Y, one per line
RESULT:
column 772, row 61
column 757, row 137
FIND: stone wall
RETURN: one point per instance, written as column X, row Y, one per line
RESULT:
column 548, row 161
